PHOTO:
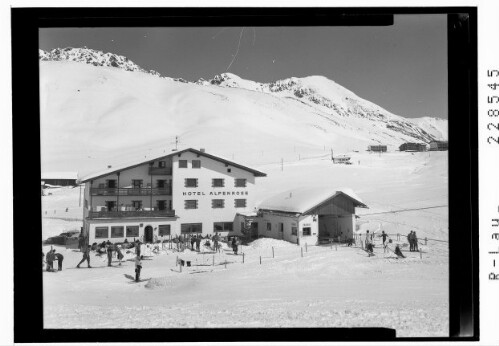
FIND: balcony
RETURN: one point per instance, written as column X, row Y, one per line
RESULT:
column 142, row 191
column 160, row 171
column 130, row 214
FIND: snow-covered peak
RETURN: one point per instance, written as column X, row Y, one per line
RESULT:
column 93, row 57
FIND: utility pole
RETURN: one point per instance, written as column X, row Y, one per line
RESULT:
column 79, row 200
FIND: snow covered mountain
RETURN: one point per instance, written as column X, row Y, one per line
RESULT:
column 92, row 57
column 97, row 113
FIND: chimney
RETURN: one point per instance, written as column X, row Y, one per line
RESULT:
column 201, row 150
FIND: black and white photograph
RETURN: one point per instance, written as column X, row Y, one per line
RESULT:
column 249, row 175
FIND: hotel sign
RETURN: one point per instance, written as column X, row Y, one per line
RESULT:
column 215, row 193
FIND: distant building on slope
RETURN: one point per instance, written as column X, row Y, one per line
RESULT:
column 439, row 145
column 377, row 148
column 342, row 159
column 306, row 215
column 183, row 193
column 60, row 178
column 413, row 147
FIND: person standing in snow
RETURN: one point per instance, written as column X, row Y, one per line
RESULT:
column 409, row 239
column 119, row 254
column 368, row 239
column 86, row 255
column 138, row 267
column 198, row 244
column 215, row 241
column 415, row 241
column 193, row 240
column 137, row 247
column 109, row 249
column 59, row 257
column 50, row 261
column 234, row 245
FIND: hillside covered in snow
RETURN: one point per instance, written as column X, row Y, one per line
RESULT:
column 101, row 108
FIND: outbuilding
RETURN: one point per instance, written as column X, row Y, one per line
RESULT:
column 60, row 178
column 439, row 145
column 413, row 147
column 377, row 148
column 309, row 215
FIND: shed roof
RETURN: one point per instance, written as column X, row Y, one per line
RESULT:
column 121, row 167
column 302, row 200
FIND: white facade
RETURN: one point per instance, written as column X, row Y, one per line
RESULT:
column 185, row 192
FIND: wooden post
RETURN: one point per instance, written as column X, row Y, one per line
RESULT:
column 176, row 262
column 420, row 254
column 260, row 259
column 301, row 251
column 425, row 240
column 272, row 252
column 213, row 263
column 243, row 257
column 181, row 267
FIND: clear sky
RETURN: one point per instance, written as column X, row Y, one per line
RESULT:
column 402, row 68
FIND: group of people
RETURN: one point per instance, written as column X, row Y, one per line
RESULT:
column 50, row 258
column 413, row 241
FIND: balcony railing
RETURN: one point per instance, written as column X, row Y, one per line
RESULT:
column 142, row 191
column 134, row 213
column 160, row 171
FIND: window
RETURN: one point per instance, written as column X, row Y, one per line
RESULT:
column 111, row 184
column 137, row 183
column 191, row 204
column 240, row 203
column 222, row 226
column 137, row 205
column 101, row 232
column 161, row 205
column 161, row 164
column 196, row 163
column 182, row 163
column 307, row 231
column 191, row 182
column 188, row 228
column 240, row 182
column 269, row 226
column 111, row 205
column 132, row 231
column 217, row 203
column 217, row 182
column 117, row 232
column 281, row 227
column 163, row 230
column 294, row 230
column 160, row 183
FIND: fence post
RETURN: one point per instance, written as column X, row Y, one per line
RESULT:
column 181, row 267
column 420, row 254
column 425, row 240
column 272, row 252
column 260, row 259
column 213, row 263
column 176, row 261
column 243, row 257
column 301, row 251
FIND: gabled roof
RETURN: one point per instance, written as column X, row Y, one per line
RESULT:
column 122, row 167
column 303, row 200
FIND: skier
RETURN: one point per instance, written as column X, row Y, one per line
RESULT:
column 109, row 247
column 86, row 255
column 59, row 259
column 383, row 235
column 137, row 247
column 234, row 245
column 138, row 267
column 398, row 252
